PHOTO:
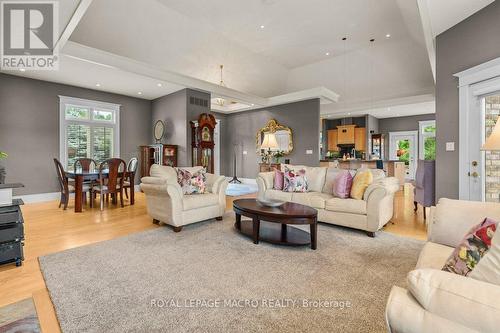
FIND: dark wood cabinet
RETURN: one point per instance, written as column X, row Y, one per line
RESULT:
column 161, row 154
column 11, row 233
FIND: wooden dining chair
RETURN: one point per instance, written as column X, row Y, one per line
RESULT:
column 130, row 179
column 113, row 183
column 86, row 164
column 64, row 186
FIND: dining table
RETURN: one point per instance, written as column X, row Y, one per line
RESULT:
column 81, row 177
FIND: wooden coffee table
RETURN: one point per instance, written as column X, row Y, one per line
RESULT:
column 270, row 224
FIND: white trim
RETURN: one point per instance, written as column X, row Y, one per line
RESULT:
column 473, row 82
column 92, row 105
column 425, row 19
column 81, row 9
column 422, row 136
column 413, row 170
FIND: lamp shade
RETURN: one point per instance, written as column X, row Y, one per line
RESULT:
column 269, row 141
column 493, row 141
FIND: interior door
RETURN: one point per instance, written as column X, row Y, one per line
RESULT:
column 403, row 146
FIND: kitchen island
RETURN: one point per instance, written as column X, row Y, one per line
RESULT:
column 392, row 168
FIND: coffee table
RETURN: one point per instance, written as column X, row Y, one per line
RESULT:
column 270, row 224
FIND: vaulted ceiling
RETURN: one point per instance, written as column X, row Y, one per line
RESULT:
column 268, row 48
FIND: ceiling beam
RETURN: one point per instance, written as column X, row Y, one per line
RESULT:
column 428, row 35
column 73, row 22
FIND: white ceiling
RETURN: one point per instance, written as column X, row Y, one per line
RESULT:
column 444, row 14
column 390, row 112
column 193, row 37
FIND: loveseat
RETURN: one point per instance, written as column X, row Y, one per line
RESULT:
column 439, row 301
column 166, row 202
column 369, row 214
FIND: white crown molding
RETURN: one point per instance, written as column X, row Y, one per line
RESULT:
column 482, row 72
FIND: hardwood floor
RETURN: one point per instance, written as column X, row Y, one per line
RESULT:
column 49, row 229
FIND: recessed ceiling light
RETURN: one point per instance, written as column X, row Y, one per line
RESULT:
column 348, row 113
column 139, row 93
column 159, row 84
column 327, row 53
column 97, row 84
column 22, row 69
column 388, row 36
column 262, row 26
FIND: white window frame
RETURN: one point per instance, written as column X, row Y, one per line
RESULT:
column 422, row 136
column 92, row 105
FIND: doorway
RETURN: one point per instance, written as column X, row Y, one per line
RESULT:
column 403, row 147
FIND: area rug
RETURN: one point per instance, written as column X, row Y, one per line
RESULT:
column 209, row 278
column 235, row 190
column 19, row 317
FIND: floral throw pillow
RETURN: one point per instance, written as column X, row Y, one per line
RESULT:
column 192, row 183
column 472, row 248
column 295, row 181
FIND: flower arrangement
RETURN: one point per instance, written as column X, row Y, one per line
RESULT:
column 278, row 155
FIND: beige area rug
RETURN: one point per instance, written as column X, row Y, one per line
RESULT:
column 209, row 278
column 19, row 317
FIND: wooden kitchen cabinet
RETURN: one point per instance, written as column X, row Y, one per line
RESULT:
column 345, row 134
column 332, row 140
column 360, row 138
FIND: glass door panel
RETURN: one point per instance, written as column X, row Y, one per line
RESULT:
column 491, row 158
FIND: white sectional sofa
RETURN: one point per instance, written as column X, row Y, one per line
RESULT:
column 166, row 203
column 369, row 214
column 438, row 301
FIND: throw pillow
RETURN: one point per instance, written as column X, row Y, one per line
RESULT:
column 342, row 184
column 488, row 269
column 295, row 181
column 472, row 248
column 360, row 183
column 192, row 183
column 278, row 180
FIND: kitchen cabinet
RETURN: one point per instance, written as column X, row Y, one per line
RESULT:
column 332, row 140
column 360, row 138
column 345, row 134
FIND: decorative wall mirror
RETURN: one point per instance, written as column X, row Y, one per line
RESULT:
column 159, row 130
column 283, row 134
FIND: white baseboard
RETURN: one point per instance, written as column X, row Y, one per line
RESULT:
column 51, row 196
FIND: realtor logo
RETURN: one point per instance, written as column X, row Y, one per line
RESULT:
column 29, row 33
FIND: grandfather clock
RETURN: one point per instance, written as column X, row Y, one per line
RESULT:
column 202, row 141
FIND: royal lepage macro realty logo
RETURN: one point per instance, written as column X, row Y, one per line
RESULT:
column 29, row 34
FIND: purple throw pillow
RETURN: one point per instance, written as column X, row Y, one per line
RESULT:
column 279, row 179
column 342, row 184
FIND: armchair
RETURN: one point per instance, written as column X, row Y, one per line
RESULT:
column 166, row 203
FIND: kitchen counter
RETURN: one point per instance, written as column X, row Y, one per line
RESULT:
column 392, row 168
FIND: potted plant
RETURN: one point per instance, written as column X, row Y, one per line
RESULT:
column 2, row 168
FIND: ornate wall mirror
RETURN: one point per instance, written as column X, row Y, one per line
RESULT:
column 283, row 134
column 159, row 130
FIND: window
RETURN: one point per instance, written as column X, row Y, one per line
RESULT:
column 88, row 129
column 427, row 135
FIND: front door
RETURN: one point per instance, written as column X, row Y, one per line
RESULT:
column 403, row 146
column 484, row 166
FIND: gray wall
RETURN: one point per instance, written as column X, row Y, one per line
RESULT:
column 467, row 44
column 172, row 110
column 29, row 128
column 399, row 124
column 241, row 129
column 396, row 124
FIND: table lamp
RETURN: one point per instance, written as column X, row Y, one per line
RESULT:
column 269, row 143
column 493, row 141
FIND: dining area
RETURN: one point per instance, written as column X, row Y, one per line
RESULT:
column 110, row 181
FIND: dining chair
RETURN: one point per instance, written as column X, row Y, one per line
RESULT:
column 64, row 186
column 131, row 169
column 113, row 183
column 85, row 163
